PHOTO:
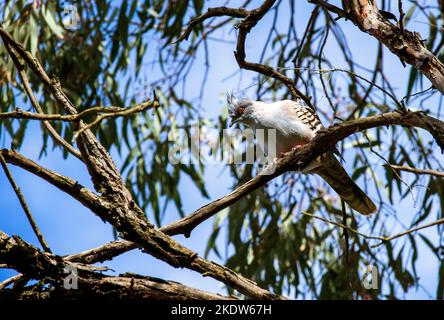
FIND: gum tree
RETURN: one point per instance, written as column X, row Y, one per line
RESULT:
column 80, row 69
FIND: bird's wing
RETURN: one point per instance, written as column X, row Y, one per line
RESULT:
column 307, row 115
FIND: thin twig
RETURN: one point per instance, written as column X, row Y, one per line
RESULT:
column 119, row 112
column 321, row 71
column 344, row 227
column 106, row 112
column 244, row 28
column 345, row 234
column 415, row 170
column 386, row 239
column 251, row 18
column 35, row 65
column 212, row 12
column 112, row 111
column 381, row 238
column 24, row 205
column 341, row 13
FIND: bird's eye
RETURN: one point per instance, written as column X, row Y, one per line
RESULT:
column 241, row 110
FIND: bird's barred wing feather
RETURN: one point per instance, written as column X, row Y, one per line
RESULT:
column 307, row 116
column 332, row 171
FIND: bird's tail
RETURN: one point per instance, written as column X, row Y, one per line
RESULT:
column 336, row 176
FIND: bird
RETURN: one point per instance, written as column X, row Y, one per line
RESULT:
column 297, row 124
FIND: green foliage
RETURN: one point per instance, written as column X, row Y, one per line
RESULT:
column 121, row 52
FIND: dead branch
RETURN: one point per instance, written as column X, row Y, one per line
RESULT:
column 44, row 266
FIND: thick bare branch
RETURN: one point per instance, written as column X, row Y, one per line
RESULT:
column 126, row 287
column 117, row 207
column 40, row 265
column 10, row 281
column 127, row 219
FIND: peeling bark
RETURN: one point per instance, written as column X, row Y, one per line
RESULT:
column 407, row 45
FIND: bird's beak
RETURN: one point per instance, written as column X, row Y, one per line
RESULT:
column 233, row 121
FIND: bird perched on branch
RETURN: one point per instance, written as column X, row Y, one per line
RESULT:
column 296, row 124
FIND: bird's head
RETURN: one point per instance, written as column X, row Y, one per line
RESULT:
column 240, row 110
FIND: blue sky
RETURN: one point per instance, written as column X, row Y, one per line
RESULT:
column 70, row 228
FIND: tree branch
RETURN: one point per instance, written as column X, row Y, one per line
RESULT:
column 9, row 281
column 212, row 12
column 127, row 287
column 244, row 28
column 407, row 45
column 296, row 160
column 293, row 160
column 428, row 225
column 102, row 253
column 341, row 225
column 24, row 205
column 126, row 218
column 85, row 196
column 332, row 8
column 25, row 81
column 415, row 170
column 251, row 18
column 117, row 112
column 38, row 265
column 381, row 238
column 108, row 111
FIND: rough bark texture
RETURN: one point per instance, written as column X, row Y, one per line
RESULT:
column 49, row 268
column 113, row 203
column 407, row 45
